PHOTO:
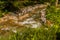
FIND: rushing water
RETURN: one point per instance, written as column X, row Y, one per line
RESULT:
column 29, row 22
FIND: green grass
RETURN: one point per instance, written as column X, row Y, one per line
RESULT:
column 32, row 34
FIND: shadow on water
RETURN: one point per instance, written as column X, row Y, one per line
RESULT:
column 58, row 36
column 9, row 7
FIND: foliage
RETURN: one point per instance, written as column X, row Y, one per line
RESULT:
column 53, row 14
column 34, row 34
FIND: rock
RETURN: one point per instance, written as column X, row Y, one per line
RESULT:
column 15, row 20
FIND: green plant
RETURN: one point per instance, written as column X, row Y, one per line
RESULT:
column 34, row 34
column 53, row 14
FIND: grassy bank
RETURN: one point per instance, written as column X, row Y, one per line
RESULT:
column 32, row 34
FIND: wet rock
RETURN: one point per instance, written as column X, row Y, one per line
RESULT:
column 24, row 15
